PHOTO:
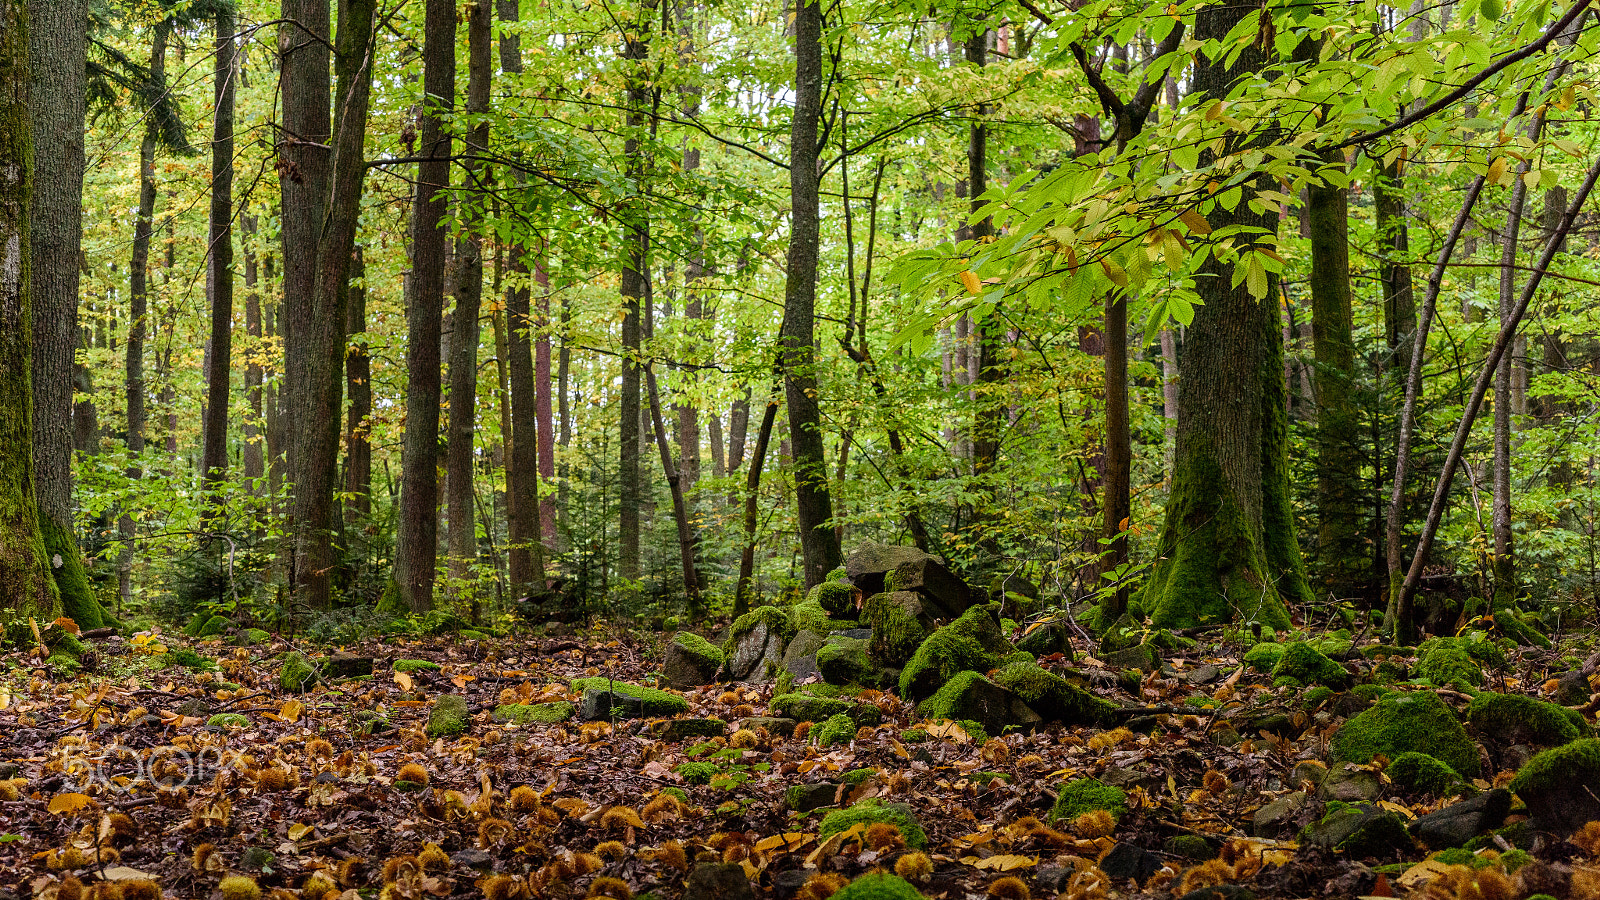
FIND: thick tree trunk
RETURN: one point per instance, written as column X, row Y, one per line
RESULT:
column 819, row 543
column 1227, row 548
column 416, row 540
column 26, row 588
column 1394, row 267
column 358, row 388
column 56, row 56
column 219, row 269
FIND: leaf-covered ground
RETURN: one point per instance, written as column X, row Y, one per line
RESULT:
column 116, row 778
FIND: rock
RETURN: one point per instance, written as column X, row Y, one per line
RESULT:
column 900, row 621
column 1052, row 880
column 756, row 643
column 971, row 696
column 775, row 725
column 1272, row 721
column 1350, row 782
column 1308, row 770
column 1140, row 656
column 199, row 707
column 1133, row 776
column 836, row 598
column 675, row 730
column 879, row 886
column 1358, row 829
column 870, row 562
column 473, row 859
column 928, row 577
column 1572, row 689
column 1307, row 665
column 1447, row 665
column 1202, row 675
column 843, row 660
column 1459, row 823
column 347, row 665
column 1047, row 639
column 809, row 708
column 599, row 705
column 1083, row 795
column 803, row 798
column 788, row 883
column 449, row 716
column 871, row 811
column 1281, row 817
column 800, row 657
column 297, row 673
column 690, row 662
column 1561, row 787
column 971, row 643
column 1417, row 721
column 536, row 713
column 1125, row 861
column 1419, row 774
column 1508, row 719
column 1054, row 698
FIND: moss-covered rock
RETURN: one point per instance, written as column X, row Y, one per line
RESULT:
column 415, row 665
column 839, row 729
column 871, row 812
column 1518, row 719
column 213, row 626
column 1419, row 722
column 1475, row 644
column 652, row 701
column 1264, row 656
column 697, row 772
column 808, row 615
column 251, row 637
column 535, row 713
column 297, row 673
column 835, row 597
column 1083, row 795
column 970, row 696
column 449, row 716
column 878, row 886
column 1306, row 665
column 1053, row 697
column 1359, row 830
column 1419, row 774
column 182, row 657
column 690, row 661
column 1560, row 786
column 900, row 622
column 1449, row 665
column 972, row 643
column 843, row 660
column 755, row 644
column 227, row 720
column 811, row 708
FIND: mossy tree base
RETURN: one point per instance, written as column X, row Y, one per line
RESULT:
column 78, row 601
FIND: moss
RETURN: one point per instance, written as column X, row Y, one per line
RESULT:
column 78, row 601
column 195, row 623
column 809, row 708
column 1307, row 665
column 896, row 634
column 675, row 792
column 776, row 620
column 449, row 717
column 250, row 637
column 225, row 720
column 699, row 646
column 415, row 665
column 1447, row 665
column 1190, row 846
column 878, row 886
column 1020, row 657
column 297, row 673
column 188, row 659
column 1264, row 656
column 1519, row 718
column 1572, row 763
column 784, row 684
column 1316, row 696
column 836, row 597
column 1410, row 722
column 697, row 772
column 1474, row 645
column 1287, row 681
column 974, row 730
column 1054, row 697
column 1515, row 859
column 536, row 713
column 914, row 735
column 871, row 812
column 469, row 634
column 836, row 730
column 656, row 702
column 1421, row 774
column 64, row 663
column 843, row 660
column 1087, row 795
column 855, row 777
column 214, row 626
column 957, row 647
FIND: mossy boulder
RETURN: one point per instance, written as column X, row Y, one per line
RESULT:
column 690, row 661
column 637, row 701
column 808, row 615
column 535, row 713
column 1449, row 665
column 297, row 673
column 1517, row 719
column 839, row 729
column 835, row 597
column 1045, row 639
column 755, row 644
column 1053, row 697
column 449, row 716
column 1419, row 774
column 1264, row 656
column 213, row 626
column 1561, row 787
column 415, row 665
column 1359, row 830
column 900, row 622
column 1418, row 722
column 1475, row 644
column 972, row 643
column 878, row 886
column 871, row 812
column 869, row 564
column 251, row 637
column 803, row 707
column 1308, row 666
column 1083, row 795
column 180, row 656
column 970, row 696
column 227, row 720
column 843, row 660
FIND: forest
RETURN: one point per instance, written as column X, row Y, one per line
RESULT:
column 871, row 450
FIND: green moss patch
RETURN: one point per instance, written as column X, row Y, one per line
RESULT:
column 777, row 621
column 1307, row 665
column 896, row 631
column 1449, row 665
column 871, row 812
column 879, row 886
column 1087, row 795
column 449, row 717
column 1513, row 718
column 967, row 644
column 811, row 708
column 1264, row 656
column 656, row 702
column 1418, row 722
column 415, row 665
column 227, row 720
column 1421, row 774
column 535, row 713
column 838, row 729
column 1052, row 696
column 699, row 646
column 297, row 673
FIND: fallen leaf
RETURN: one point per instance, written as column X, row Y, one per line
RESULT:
column 69, row 803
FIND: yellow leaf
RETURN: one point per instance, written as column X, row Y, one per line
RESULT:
column 788, row 842
column 66, row 624
column 1497, row 171
column 299, row 830
column 1421, row 873
column 1196, row 222
column 1005, row 862
column 68, row 803
column 291, row 711
column 1118, row 276
column 403, row 680
column 970, row 282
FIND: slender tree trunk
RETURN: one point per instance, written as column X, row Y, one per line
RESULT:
column 688, row 544
column 219, row 269
column 636, row 49
column 1394, row 267
column 544, row 406
column 26, row 588
column 56, row 58
column 744, row 594
column 819, row 543
column 358, row 386
column 416, row 540
column 1550, row 410
column 250, row 452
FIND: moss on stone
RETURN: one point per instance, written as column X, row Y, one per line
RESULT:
column 1475, row 645
column 777, row 621
column 535, row 713
column 1264, row 656
column 843, row 660
column 896, row 634
column 1521, row 718
column 213, row 626
column 1316, row 696
column 297, row 673
column 871, row 812
column 1448, row 665
column 250, row 637
column 1087, row 795
column 1421, row 774
column 697, row 772
column 415, row 665
column 449, row 717
column 1419, row 722
column 975, row 731
column 878, row 886
column 810, row 708
column 699, row 646
column 226, row 720
column 656, row 701
column 64, row 663
column 1570, row 764
column 1052, row 696
column 835, row 597
column 914, row 735
column 188, row 659
column 837, row 729
column 1306, row 665
column 957, row 647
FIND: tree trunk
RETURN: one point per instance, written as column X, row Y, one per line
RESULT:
column 1227, row 548
column 416, row 540
column 688, row 545
column 219, row 269
column 250, row 452
column 819, row 543
column 358, row 386
column 26, row 588
column 636, row 49
column 744, row 593
column 56, row 57
column 1394, row 266
column 1505, row 566
column 464, row 336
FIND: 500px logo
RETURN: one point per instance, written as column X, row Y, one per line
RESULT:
column 119, row 769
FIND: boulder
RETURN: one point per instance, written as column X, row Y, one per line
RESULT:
column 600, row 705
column 718, row 881
column 449, row 716
column 800, row 657
column 347, row 665
column 1125, row 861
column 928, row 577
column 1561, row 787
column 870, row 562
column 836, row 598
column 1517, row 719
column 1350, row 782
column 843, row 660
column 1281, row 817
column 1054, row 698
column 1140, row 656
column 1399, row 723
column 1045, row 639
column 690, row 662
column 1459, row 823
column 971, row 643
column 1572, row 689
column 970, row 696
column 675, row 730
column 900, row 621
column 755, row 646
column 1358, row 829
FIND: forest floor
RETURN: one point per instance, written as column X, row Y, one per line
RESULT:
column 116, row 776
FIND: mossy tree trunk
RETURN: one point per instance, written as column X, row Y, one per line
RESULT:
column 1227, row 548
column 26, row 588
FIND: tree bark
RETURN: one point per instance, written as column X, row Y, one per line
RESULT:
column 358, row 388
column 219, row 268
column 1394, row 266
column 416, row 540
column 635, row 225
column 744, row 594
column 819, row 543
column 250, row 452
